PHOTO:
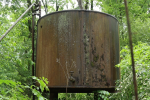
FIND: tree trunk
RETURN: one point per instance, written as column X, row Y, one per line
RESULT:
column 87, row 4
column 80, row 4
column 91, row 4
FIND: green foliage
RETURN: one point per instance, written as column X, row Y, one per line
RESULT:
column 139, row 17
column 15, row 49
column 43, row 82
column 125, row 84
column 141, row 30
column 101, row 95
column 11, row 90
column 76, row 96
column 15, row 54
column 43, row 86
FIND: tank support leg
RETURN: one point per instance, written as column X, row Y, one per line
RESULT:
column 95, row 96
column 53, row 96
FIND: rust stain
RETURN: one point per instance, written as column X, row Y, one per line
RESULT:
column 85, row 43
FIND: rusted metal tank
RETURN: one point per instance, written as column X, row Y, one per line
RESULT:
column 78, row 49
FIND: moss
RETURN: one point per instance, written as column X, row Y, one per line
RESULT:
column 96, row 58
column 87, row 62
column 92, row 64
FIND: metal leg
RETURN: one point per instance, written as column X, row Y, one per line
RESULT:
column 33, row 97
column 95, row 96
column 53, row 96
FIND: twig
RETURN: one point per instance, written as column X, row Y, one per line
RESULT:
column 67, row 69
column 58, row 60
column 66, row 75
column 73, row 63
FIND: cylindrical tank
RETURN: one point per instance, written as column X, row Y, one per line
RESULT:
column 78, row 49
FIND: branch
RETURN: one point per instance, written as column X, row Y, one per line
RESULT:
column 44, row 7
